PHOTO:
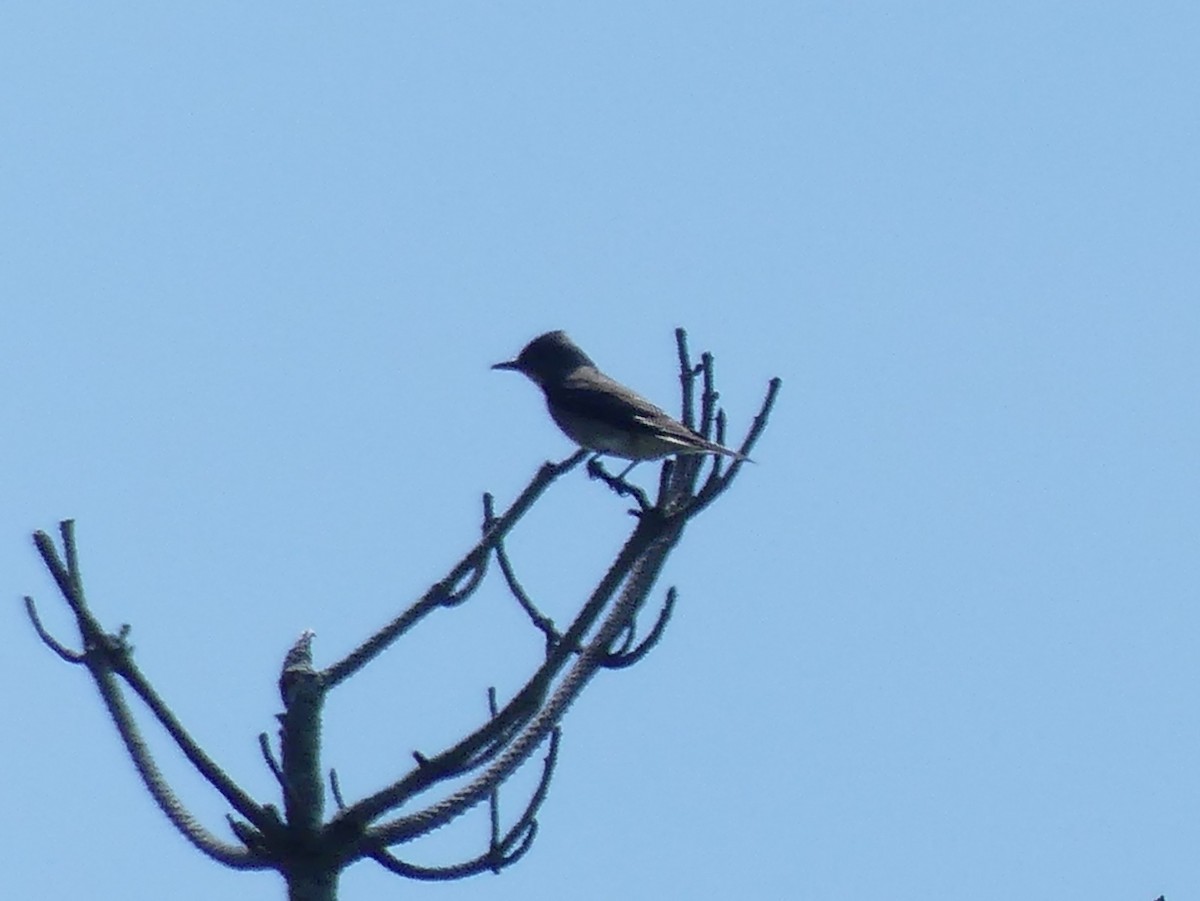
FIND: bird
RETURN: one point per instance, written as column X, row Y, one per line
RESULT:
column 599, row 413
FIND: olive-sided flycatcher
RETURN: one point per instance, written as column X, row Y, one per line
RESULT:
column 599, row 413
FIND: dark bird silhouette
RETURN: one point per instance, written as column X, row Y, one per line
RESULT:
column 598, row 412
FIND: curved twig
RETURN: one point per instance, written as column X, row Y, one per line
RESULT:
column 335, row 789
column 502, row 851
column 527, row 703
column 473, row 579
column 637, row 566
column 542, row 622
column 625, row 657
column 488, row 861
column 264, row 745
column 108, row 657
column 49, row 640
column 368, row 650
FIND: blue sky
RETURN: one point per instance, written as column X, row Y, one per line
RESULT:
column 938, row 643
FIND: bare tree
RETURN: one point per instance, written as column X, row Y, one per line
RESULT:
column 308, row 849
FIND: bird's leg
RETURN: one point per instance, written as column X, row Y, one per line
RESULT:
column 625, row 471
column 595, row 469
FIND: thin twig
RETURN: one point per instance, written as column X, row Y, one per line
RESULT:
column 711, row 491
column 358, row 658
column 494, row 797
column 108, row 656
column 708, row 400
column 335, row 788
column 539, row 620
column 501, row 853
column 640, row 561
column 454, row 597
column 626, row 657
column 49, row 640
column 264, row 745
column 686, row 379
column 529, row 700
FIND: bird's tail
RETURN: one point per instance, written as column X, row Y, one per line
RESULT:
column 704, row 446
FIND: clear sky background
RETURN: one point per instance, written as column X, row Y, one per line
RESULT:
column 940, row 643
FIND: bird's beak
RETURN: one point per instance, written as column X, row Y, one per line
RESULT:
column 509, row 364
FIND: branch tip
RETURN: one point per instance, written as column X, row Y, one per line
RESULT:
column 63, row 652
column 335, row 788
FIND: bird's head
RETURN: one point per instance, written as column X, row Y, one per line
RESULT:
column 548, row 358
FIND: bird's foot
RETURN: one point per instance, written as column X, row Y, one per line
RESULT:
column 596, row 470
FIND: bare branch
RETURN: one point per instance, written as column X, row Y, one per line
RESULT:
column 249, row 836
column 494, row 797
column 66, row 529
column 687, row 377
column 57, row 569
column 539, row 794
column 49, row 640
column 708, row 400
column 540, row 620
column 217, row 777
column 666, row 478
column 712, row 491
column 437, row 595
column 482, row 864
column 637, row 565
column 335, row 789
column 624, row 640
column 168, row 802
column 455, row 596
column 503, row 851
column 525, row 703
column 108, row 656
column 264, row 745
column 639, row 561
column 628, row 658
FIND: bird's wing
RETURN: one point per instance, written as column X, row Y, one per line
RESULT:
column 596, row 396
